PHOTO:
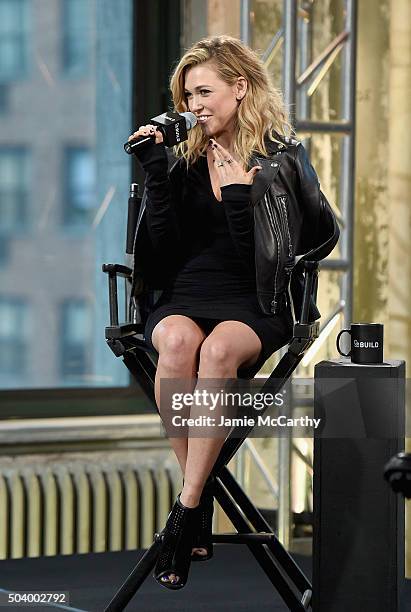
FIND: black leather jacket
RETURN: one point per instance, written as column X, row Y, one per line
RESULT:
column 292, row 221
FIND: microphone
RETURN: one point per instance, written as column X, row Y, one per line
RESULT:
column 173, row 126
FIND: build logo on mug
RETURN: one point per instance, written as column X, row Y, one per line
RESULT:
column 367, row 342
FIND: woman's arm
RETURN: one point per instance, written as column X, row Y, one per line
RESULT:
column 240, row 218
column 162, row 198
column 235, row 185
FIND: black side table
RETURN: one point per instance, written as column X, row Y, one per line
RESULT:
column 358, row 543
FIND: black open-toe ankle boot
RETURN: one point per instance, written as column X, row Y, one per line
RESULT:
column 204, row 528
column 175, row 552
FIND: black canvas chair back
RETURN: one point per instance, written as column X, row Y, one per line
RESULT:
column 126, row 340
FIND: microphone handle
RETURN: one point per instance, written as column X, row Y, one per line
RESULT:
column 142, row 141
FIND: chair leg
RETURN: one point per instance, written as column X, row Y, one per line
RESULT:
column 275, row 572
column 134, row 581
column 259, row 523
column 277, row 564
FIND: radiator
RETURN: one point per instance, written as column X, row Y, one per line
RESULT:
column 81, row 507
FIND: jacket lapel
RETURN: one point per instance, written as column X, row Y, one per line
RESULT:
column 265, row 177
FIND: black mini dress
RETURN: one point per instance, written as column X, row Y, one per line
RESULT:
column 216, row 279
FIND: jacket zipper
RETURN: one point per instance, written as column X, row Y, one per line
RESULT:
column 289, row 267
column 278, row 238
column 284, row 219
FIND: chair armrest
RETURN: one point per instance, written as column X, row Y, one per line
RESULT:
column 123, row 330
column 114, row 270
column 310, row 289
column 304, row 291
column 117, row 269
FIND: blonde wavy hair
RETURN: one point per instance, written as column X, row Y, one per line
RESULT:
column 261, row 112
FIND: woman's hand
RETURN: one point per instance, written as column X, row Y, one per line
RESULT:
column 153, row 159
column 147, row 130
column 230, row 171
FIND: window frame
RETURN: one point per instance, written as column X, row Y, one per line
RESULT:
column 73, row 402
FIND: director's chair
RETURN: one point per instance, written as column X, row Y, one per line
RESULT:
column 127, row 340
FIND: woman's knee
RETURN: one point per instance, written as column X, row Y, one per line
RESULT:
column 177, row 344
column 218, row 353
column 229, row 346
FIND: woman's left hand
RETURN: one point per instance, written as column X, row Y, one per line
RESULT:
column 228, row 169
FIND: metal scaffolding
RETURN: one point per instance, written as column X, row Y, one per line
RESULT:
column 296, row 37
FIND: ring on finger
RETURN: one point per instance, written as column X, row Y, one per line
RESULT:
column 229, row 161
column 220, row 163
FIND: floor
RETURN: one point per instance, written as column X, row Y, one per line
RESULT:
column 232, row 584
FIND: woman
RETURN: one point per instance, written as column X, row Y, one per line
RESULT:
column 216, row 317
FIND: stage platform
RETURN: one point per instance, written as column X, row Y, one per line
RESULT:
column 232, row 581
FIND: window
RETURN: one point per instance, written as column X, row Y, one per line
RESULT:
column 48, row 167
column 76, row 341
column 14, row 188
column 80, row 186
column 13, row 39
column 75, row 37
column 14, row 340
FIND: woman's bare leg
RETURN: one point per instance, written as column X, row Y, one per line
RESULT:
column 177, row 340
column 230, row 345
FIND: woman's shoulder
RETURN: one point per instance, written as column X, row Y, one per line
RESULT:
column 280, row 142
column 278, row 146
column 275, row 145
